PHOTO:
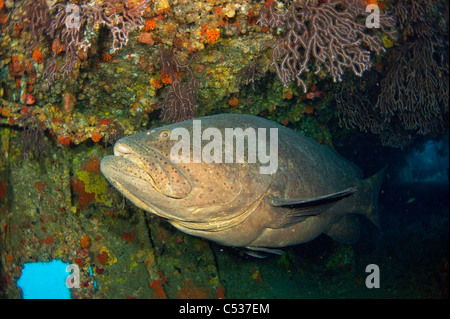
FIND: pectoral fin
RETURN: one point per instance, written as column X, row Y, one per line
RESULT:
column 317, row 201
column 298, row 209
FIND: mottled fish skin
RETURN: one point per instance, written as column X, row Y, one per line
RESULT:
column 314, row 190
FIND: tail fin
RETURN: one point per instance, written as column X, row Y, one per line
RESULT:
column 369, row 195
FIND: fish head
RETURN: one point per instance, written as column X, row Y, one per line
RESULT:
column 29, row 99
column 143, row 170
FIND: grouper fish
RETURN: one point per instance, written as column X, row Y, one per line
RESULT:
column 312, row 191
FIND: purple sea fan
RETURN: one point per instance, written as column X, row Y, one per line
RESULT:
column 179, row 101
column 119, row 16
column 328, row 34
column 38, row 14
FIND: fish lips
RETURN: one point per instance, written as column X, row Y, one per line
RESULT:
column 133, row 182
column 136, row 185
column 128, row 178
column 134, row 161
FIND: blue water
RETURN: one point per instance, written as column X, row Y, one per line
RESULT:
column 44, row 280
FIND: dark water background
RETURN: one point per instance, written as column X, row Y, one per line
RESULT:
column 413, row 245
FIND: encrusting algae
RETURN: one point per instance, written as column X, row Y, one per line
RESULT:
column 195, row 34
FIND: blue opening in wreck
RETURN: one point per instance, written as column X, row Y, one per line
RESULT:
column 44, row 280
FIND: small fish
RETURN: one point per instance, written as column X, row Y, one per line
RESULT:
column 29, row 99
column 409, row 201
column 91, row 273
column 313, row 191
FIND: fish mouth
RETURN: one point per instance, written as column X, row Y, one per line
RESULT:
column 125, row 153
column 161, row 173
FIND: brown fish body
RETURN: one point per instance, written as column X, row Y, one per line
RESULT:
column 312, row 191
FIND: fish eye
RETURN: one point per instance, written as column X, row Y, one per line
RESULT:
column 164, row 134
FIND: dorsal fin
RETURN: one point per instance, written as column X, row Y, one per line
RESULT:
column 301, row 208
